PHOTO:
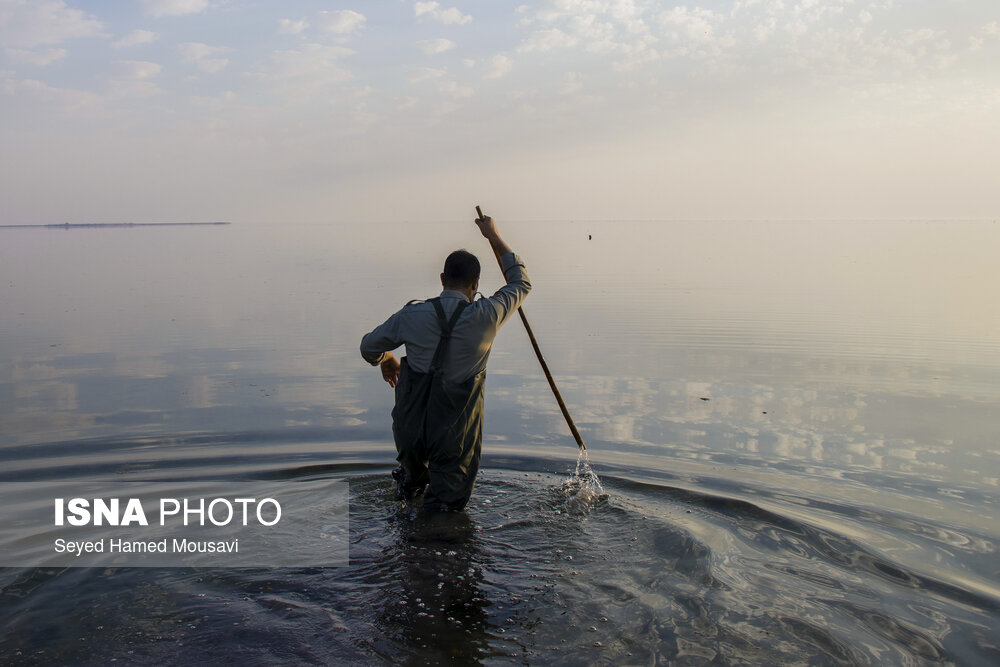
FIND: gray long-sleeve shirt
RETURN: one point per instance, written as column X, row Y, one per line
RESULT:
column 416, row 326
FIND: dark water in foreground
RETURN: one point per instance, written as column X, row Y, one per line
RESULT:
column 835, row 500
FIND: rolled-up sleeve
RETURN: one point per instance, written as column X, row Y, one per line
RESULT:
column 507, row 299
column 383, row 338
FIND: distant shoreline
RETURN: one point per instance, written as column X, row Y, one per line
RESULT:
column 84, row 225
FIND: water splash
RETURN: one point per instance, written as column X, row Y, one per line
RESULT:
column 583, row 489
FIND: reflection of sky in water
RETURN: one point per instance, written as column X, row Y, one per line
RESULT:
column 866, row 347
column 839, row 482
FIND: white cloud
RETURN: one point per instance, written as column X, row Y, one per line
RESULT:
column 616, row 27
column 341, row 21
column 694, row 25
column 992, row 29
column 572, row 84
column 305, row 72
column 37, row 57
column 765, row 29
column 407, row 103
column 40, row 22
column 138, row 69
column 135, row 38
column 450, row 16
column 203, row 56
column 426, row 74
column 547, row 40
column 49, row 98
column 500, row 65
column 133, row 80
column 454, row 90
column 692, row 32
column 158, row 8
column 435, row 46
column 290, row 27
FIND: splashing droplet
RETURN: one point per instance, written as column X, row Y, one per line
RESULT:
column 583, row 489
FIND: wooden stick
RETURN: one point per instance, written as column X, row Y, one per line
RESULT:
column 541, row 359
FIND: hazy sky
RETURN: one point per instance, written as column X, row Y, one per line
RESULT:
column 255, row 110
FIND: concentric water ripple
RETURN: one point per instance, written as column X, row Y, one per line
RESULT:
column 640, row 574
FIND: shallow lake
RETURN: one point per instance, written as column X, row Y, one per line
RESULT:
column 796, row 425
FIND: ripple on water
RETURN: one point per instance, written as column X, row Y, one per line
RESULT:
column 540, row 569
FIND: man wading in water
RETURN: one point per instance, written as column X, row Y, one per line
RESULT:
column 438, row 418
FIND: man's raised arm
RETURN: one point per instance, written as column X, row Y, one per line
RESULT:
column 489, row 230
column 507, row 299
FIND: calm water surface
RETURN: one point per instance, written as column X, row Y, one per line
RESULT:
column 795, row 424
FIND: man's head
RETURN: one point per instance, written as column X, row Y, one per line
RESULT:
column 461, row 273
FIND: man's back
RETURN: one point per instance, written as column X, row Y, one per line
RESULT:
column 416, row 326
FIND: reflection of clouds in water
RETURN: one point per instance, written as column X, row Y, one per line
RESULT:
column 31, row 427
column 340, row 393
column 310, row 419
column 140, row 367
column 38, row 370
column 57, row 395
column 199, row 391
column 616, row 407
column 864, row 454
column 610, row 407
column 619, row 427
column 770, row 423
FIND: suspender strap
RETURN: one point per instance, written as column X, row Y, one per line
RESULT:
column 446, row 328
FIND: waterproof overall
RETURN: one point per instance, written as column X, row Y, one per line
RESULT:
column 438, row 426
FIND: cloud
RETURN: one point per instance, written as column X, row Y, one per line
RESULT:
column 572, row 84
column 547, row 40
column 692, row 32
column 500, row 65
column 133, row 79
column 290, row 27
column 830, row 37
column 407, row 103
column 341, row 21
column 42, row 22
column 158, row 8
column 454, row 90
column 450, row 16
column 616, row 27
column 689, row 25
column 425, row 74
column 435, row 46
column 38, row 57
column 49, row 98
column 305, row 72
column 203, row 56
column 138, row 69
column 135, row 38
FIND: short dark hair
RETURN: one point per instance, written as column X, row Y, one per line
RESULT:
column 461, row 269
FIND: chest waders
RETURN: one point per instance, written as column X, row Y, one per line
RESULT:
column 438, row 426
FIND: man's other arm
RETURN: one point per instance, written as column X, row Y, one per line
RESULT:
column 376, row 348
